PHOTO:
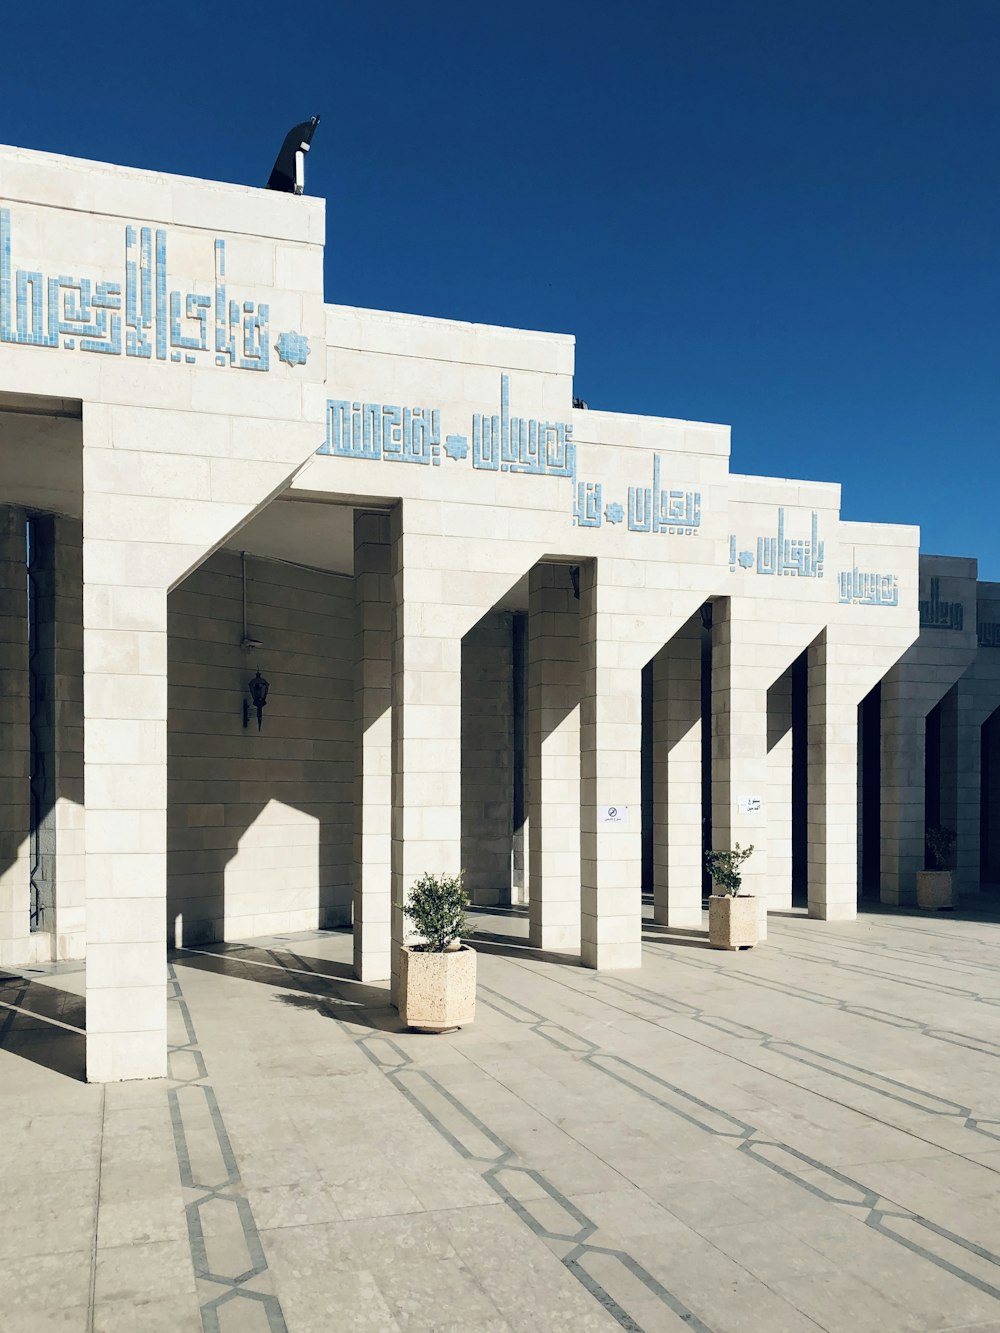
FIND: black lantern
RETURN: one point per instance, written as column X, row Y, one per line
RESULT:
column 258, row 688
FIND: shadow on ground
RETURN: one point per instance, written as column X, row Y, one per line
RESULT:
column 43, row 1024
column 329, row 984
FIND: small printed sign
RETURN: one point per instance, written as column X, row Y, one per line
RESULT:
column 613, row 814
column 748, row 805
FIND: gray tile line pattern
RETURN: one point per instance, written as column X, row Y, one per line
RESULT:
column 227, row 1191
column 864, row 1198
column 920, row 957
column 915, row 983
column 821, row 1061
column 920, row 1099
column 879, row 1219
column 981, row 1045
column 505, row 1160
column 508, row 1161
column 883, row 922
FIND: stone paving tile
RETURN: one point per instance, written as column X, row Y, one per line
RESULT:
column 50, row 1281
column 57, row 1214
column 50, row 1319
column 156, row 1271
column 167, row 1316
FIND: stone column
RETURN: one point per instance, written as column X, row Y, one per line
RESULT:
column 58, row 582
column 15, row 742
column 610, row 776
column 677, row 812
column 739, row 737
column 959, row 774
column 964, row 711
column 487, row 759
column 125, row 753
column 904, row 723
column 426, row 729
column 832, row 782
column 553, row 759
column 779, row 793
column 371, row 870
column 917, row 682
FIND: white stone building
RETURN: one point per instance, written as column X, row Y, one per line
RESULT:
column 560, row 648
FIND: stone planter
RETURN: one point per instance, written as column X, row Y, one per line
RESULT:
column 733, row 922
column 437, row 991
column 935, row 890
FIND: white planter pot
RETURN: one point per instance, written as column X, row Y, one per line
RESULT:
column 437, row 991
column 935, row 890
column 733, row 922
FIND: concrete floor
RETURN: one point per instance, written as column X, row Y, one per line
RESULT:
column 802, row 1137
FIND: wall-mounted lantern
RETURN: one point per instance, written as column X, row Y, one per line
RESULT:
column 258, row 688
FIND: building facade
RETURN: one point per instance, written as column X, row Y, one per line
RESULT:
column 562, row 649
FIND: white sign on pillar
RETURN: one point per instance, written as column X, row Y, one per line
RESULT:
column 616, row 815
column 748, row 805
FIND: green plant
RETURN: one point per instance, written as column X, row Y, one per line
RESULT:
column 436, row 906
column 724, row 867
column 940, row 841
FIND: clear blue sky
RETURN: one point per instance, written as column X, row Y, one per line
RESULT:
column 783, row 216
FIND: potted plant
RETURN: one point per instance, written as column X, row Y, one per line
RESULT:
column 732, row 916
column 437, row 975
column 935, row 888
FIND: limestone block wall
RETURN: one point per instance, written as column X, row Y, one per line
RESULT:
column 487, row 758
column 57, row 580
column 15, row 741
column 779, row 782
column 259, row 823
column 677, row 786
column 552, row 768
column 965, row 710
column 989, row 869
column 372, row 867
column 941, row 655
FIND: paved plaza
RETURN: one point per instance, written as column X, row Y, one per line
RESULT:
column 805, row 1136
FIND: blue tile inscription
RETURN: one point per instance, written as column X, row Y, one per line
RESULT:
column 166, row 325
column 506, row 443
column 781, row 555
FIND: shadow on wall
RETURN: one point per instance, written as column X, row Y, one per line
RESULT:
column 259, row 822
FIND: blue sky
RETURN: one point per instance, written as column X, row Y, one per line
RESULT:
column 783, row 216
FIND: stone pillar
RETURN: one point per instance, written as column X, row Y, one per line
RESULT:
column 553, row 759
column 779, row 793
column 944, row 651
column 960, row 782
column 125, row 753
column 739, row 738
column 677, row 812
column 964, row 711
column 371, row 870
column 58, row 668
column 487, row 759
column 426, row 729
column 610, row 776
column 990, row 868
column 832, row 782
column 519, row 736
column 15, row 742
column 904, row 723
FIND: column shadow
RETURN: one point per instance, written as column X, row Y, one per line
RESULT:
column 45, row 1025
column 314, row 982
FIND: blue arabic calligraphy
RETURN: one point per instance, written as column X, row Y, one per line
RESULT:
column 76, row 313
